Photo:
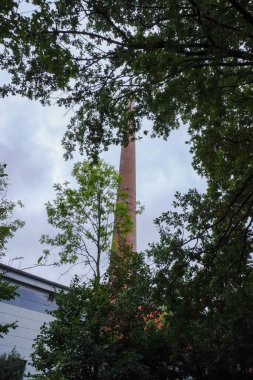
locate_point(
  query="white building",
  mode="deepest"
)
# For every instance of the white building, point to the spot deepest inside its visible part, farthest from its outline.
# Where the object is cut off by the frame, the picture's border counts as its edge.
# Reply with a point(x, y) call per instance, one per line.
point(29, 310)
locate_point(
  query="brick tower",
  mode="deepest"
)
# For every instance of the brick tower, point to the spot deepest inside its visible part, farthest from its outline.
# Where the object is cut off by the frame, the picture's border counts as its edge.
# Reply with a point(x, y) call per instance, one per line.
point(128, 186)
point(127, 172)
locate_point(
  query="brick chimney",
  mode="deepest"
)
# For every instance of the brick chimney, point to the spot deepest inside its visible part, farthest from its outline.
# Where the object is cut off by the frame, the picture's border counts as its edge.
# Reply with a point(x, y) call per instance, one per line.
point(127, 171)
point(128, 186)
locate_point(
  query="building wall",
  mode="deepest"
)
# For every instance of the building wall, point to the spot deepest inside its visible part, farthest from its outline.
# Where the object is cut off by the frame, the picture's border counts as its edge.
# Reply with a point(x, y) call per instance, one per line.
point(29, 310)
point(22, 338)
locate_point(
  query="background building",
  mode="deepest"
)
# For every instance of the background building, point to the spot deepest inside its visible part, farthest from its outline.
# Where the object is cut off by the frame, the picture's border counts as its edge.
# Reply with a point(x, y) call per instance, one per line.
point(29, 310)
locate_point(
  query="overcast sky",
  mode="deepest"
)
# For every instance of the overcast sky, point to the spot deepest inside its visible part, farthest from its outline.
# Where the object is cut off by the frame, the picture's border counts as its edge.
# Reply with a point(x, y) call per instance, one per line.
point(30, 145)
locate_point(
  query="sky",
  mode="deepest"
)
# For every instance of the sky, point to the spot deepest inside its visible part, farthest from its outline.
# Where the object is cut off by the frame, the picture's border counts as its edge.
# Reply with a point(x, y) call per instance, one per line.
point(30, 145)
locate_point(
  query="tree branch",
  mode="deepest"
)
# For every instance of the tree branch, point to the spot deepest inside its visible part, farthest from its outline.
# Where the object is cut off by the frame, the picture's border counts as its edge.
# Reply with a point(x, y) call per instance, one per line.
point(246, 14)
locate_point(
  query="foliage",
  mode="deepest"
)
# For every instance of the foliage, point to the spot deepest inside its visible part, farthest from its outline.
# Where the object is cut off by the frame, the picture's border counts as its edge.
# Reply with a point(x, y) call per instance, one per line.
point(204, 277)
point(85, 216)
point(7, 292)
point(188, 59)
point(185, 61)
point(8, 226)
point(100, 330)
point(11, 366)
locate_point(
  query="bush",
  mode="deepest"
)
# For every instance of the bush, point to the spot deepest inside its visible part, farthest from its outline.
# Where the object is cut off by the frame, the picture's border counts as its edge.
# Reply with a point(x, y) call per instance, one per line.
point(12, 366)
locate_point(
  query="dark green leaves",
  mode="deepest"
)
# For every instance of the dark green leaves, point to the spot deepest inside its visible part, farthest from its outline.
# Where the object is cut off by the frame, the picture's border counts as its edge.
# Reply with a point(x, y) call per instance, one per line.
point(105, 331)
point(190, 59)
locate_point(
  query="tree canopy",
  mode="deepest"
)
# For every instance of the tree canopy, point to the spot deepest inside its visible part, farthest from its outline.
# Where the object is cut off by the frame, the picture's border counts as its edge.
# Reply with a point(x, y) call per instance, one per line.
point(106, 331)
point(12, 366)
point(85, 216)
point(204, 277)
point(183, 63)
point(188, 60)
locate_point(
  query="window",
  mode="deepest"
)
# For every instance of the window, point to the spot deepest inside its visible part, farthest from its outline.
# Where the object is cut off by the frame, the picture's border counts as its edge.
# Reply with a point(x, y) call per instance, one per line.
point(33, 299)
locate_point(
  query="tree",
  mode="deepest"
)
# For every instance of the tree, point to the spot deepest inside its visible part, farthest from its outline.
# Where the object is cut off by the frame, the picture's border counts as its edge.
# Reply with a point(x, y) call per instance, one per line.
point(8, 226)
point(188, 62)
point(11, 366)
point(101, 333)
point(84, 217)
point(191, 60)
point(204, 277)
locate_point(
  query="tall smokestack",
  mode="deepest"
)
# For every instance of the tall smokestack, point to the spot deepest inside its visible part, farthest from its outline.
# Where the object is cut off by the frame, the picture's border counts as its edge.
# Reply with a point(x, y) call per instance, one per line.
point(127, 171)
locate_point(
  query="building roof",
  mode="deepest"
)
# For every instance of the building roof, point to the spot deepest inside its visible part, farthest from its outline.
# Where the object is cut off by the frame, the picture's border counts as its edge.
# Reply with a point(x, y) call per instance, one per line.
point(20, 276)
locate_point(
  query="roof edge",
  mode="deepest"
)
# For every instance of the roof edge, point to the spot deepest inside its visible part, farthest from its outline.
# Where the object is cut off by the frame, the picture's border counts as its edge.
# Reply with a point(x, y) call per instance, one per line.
point(8, 268)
